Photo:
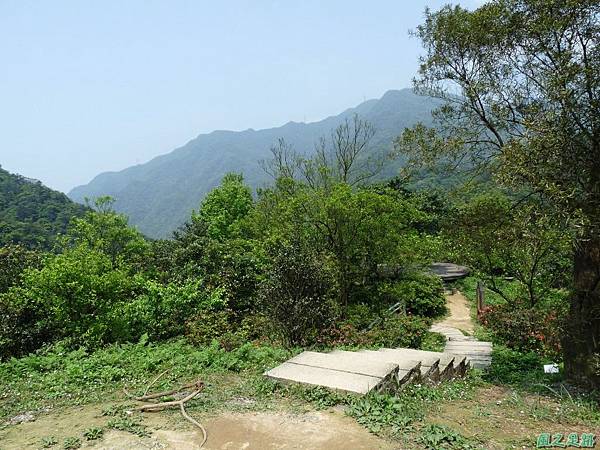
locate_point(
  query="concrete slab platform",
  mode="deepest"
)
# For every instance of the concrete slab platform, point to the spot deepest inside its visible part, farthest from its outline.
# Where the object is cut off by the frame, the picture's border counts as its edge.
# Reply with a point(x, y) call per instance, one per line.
point(317, 376)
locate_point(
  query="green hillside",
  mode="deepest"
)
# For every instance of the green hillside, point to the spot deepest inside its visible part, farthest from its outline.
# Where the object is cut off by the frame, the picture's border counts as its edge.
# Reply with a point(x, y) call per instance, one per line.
point(159, 195)
point(32, 214)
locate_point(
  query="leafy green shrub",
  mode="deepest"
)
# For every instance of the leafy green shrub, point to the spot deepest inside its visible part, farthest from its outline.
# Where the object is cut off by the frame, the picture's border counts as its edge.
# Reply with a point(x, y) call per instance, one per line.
point(295, 296)
point(438, 437)
point(208, 325)
point(421, 294)
point(524, 329)
point(162, 311)
point(514, 367)
point(393, 331)
point(399, 331)
point(14, 260)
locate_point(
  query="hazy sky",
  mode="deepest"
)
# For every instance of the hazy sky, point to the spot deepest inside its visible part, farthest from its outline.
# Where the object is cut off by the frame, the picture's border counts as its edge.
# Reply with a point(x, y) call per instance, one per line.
point(87, 87)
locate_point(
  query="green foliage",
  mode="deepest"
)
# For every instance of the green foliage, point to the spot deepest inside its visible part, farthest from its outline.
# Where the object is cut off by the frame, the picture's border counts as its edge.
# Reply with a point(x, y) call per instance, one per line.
point(525, 329)
point(105, 231)
point(500, 239)
point(392, 331)
point(49, 441)
point(31, 214)
point(58, 376)
point(355, 230)
point(398, 414)
point(224, 207)
point(94, 433)
point(531, 121)
point(130, 423)
point(295, 296)
point(208, 325)
point(421, 294)
point(71, 442)
point(14, 259)
point(437, 437)
point(399, 331)
point(514, 367)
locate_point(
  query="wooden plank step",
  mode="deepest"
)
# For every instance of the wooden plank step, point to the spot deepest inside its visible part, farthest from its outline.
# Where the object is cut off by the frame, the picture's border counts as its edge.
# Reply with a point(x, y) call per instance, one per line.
point(332, 379)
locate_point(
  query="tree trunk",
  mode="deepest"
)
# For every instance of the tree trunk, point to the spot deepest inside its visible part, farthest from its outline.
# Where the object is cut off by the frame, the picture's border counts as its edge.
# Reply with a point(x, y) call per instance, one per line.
point(581, 343)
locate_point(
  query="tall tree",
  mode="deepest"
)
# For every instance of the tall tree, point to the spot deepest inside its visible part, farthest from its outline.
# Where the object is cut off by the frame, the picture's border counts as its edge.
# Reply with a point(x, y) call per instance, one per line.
point(521, 84)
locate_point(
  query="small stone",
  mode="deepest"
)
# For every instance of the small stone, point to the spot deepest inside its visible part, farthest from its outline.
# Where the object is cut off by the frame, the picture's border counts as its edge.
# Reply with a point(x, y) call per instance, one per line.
point(22, 418)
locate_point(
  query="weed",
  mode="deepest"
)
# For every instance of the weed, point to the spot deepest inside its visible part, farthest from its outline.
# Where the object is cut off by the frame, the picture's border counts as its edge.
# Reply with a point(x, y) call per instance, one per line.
point(91, 434)
point(71, 442)
point(49, 441)
point(130, 423)
point(437, 437)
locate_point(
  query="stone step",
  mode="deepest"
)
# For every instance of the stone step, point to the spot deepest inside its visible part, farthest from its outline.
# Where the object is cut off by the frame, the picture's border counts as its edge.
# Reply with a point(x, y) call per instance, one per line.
point(329, 378)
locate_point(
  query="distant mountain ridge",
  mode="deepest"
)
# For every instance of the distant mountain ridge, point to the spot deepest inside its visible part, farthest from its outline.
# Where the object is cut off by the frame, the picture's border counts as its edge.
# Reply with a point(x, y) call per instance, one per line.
point(159, 195)
point(32, 214)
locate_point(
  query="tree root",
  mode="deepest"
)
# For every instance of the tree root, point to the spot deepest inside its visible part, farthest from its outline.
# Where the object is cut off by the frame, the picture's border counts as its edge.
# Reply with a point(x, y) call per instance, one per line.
point(153, 407)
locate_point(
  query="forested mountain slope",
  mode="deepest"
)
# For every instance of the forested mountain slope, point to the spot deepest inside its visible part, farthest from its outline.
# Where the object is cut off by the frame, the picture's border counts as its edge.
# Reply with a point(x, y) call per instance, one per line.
point(31, 213)
point(159, 195)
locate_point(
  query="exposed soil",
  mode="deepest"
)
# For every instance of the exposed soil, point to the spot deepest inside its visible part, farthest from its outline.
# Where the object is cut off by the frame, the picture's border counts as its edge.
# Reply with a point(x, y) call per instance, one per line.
point(495, 418)
point(227, 431)
point(459, 313)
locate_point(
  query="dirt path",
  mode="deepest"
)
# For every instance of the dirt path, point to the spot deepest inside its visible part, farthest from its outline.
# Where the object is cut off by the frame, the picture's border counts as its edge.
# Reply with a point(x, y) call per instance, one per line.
point(460, 313)
point(227, 431)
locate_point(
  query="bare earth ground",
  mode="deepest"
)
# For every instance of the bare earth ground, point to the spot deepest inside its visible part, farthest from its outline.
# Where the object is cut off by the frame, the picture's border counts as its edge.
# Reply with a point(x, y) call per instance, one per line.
point(459, 313)
point(227, 431)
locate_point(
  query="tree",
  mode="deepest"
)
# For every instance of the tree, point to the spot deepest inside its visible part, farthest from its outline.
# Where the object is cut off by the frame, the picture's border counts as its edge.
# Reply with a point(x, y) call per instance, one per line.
point(499, 240)
point(356, 230)
point(344, 158)
point(104, 230)
point(521, 85)
point(225, 206)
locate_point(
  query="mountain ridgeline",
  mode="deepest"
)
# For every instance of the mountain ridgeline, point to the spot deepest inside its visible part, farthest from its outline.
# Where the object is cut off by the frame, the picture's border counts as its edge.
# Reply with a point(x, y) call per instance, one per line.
point(32, 214)
point(158, 196)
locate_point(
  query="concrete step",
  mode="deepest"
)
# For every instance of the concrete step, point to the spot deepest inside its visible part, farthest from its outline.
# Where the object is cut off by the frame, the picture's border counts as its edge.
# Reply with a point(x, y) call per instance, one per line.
point(346, 362)
point(448, 365)
point(332, 379)
point(405, 370)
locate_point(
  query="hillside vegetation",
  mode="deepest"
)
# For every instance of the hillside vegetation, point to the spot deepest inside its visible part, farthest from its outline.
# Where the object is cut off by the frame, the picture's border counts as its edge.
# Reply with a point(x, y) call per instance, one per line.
point(32, 214)
point(159, 196)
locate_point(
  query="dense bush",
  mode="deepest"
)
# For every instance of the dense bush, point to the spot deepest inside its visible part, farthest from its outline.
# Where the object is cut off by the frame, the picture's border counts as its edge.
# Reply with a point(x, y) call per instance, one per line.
point(393, 331)
point(81, 298)
point(72, 296)
point(525, 329)
point(421, 295)
point(14, 259)
point(295, 296)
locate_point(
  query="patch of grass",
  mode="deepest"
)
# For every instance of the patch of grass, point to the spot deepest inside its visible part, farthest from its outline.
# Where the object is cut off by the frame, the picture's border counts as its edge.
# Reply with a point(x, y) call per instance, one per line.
point(397, 414)
point(437, 437)
point(48, 441)
point(433, 342)
point(93, 433)
point(71, 443)
point(516, 368)
point(58, 377)
point(130, 423)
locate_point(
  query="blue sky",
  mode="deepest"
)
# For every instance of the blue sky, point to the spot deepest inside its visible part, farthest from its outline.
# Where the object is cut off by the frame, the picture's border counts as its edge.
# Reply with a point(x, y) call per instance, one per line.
point(87, 87)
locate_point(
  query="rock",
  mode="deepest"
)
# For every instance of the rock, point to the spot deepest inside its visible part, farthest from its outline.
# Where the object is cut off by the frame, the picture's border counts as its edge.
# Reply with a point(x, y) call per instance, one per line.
point(22, 418)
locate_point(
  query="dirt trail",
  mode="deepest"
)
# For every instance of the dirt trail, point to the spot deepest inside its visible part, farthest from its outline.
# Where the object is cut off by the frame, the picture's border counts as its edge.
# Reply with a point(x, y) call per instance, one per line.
point(226, 431)
point(460, 313)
